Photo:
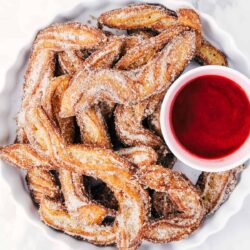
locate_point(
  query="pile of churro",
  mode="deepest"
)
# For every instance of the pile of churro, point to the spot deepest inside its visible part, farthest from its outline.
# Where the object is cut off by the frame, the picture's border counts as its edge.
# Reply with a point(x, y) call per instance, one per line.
point(89, 133)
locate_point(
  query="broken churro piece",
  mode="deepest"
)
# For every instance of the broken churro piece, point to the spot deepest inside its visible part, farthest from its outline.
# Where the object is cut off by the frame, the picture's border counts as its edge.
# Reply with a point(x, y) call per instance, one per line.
point(209, 55)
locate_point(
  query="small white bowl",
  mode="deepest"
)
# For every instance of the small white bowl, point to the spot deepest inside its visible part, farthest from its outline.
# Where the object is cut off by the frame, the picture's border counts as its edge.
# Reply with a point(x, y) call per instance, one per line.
point(209, 165)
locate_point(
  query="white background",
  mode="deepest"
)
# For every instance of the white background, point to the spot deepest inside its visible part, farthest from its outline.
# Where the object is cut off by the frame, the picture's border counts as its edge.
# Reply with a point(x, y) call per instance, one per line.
point(16, 29)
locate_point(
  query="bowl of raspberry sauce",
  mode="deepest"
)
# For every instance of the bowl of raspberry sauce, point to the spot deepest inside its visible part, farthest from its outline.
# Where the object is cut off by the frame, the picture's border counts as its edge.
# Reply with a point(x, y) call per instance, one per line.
point(205, 118)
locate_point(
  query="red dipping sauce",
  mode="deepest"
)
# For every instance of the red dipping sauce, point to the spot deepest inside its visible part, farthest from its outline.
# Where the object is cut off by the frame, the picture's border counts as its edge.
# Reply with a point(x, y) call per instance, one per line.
point(210, 116)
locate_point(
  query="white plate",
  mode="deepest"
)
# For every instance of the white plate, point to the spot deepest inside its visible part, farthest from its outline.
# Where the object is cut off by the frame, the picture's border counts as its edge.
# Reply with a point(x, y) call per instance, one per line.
point(10, 102)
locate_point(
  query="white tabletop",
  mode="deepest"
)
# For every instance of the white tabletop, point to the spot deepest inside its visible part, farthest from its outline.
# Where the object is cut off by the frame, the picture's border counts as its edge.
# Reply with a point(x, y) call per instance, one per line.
point(16, 232)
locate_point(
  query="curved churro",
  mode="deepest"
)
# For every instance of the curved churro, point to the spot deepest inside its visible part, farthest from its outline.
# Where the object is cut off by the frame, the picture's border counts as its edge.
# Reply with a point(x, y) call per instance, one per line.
point(58, 37)
point(120, 87)
point(51, 102)
point(77, 203)
point(132, 199)
point(183, 194)
point(130, 130)
point(138, 156)
point(39, 180)
point(151, 16)
point(88, 88)
point(54, 214)
point(24, 156)
point(128, 121)
point(137, 16)
point(216, 188)
point(207, 54)
point(142, 52)
point(157, 75)
point(98, 137)
point(103, 57)
point(92, 124)
point(106, 55)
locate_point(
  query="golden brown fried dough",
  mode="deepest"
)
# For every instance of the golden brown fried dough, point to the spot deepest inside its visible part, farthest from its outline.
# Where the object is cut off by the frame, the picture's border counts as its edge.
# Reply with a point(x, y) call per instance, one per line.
point(149, 16)
point(134, 38)
point(54, 214)
point(139, 155)
point(93, 128)
point(183, 194)
point(128, 121)
point(52, 104)
point(23, 156)
point(132, 198)
point(141, 53)
point(157, 75)
point(216, 188)
point(102, 58)
point(130, 130)
point(207, 54)
point(138, 16)
point(91, 122)
point(77, 203)
point(42, 183)
point(70, 61)
point(190, 18)
point(55, 38)
point(106, 55)
point(121, 88)
point(85, 90)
